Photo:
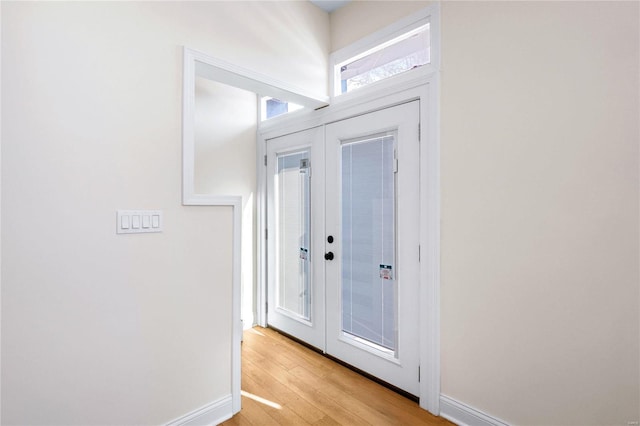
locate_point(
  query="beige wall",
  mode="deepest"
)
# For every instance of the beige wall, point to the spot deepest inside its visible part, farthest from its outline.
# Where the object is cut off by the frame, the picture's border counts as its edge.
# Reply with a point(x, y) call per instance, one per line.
point(349, 26)
point(540, 210)
point(225, 125)
point(540, 285)
point(99, 328)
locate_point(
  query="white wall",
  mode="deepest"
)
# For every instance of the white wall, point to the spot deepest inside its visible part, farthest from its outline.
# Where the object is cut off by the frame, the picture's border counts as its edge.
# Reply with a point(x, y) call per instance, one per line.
point(540, 210)
point(225, 156)
point(540, 196)
point(99, 328)
point(0, 209)
point(348, 25)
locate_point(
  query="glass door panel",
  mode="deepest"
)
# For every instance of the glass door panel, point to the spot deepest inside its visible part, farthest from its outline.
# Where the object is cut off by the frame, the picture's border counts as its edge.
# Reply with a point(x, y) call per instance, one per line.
point(368, 240)
point(293, 234)
point(295, 228)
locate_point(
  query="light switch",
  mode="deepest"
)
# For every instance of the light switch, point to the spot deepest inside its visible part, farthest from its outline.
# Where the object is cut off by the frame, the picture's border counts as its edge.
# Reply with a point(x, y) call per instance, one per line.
point(138, 221)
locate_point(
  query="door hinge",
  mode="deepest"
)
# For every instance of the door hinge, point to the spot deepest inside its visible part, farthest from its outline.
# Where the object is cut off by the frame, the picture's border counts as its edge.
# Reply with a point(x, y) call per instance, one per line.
point(418, 374)
point(266, 234)
point(265, 160)
point(419, 252)
point(419, 132)
point(395, 161)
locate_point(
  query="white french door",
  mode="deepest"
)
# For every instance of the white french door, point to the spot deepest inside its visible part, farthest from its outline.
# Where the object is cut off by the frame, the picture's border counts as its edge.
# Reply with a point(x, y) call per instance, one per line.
point(372, 211)
point(295, 223)
point(343, 247)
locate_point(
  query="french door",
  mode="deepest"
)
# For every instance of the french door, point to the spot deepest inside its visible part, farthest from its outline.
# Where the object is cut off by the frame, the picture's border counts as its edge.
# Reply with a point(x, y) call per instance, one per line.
point(360, 276)
point(295, 223)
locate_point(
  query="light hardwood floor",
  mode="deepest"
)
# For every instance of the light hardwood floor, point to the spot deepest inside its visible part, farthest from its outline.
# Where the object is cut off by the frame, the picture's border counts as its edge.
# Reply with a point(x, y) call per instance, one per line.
point(285, 383)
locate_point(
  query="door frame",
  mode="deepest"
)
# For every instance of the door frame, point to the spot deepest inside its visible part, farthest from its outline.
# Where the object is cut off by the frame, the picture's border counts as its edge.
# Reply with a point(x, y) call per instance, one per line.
point(426, 91)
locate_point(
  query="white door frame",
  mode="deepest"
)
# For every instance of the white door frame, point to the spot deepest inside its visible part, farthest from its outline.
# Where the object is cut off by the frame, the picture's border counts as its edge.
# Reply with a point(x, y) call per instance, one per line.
point(426, 91)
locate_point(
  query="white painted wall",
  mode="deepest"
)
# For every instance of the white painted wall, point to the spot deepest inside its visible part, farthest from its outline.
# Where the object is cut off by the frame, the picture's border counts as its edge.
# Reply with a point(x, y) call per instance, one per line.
point(348, 25)
point(225, 126)
point(540, 210)
point(0, 210)
point(99, 328)
point(540, 196)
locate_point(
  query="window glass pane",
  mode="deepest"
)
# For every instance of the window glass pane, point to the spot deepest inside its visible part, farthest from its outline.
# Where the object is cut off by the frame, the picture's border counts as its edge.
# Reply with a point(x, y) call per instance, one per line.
point(293, 221)
point(368, 241)
point(272, 107)
point(276, 107)
point(407, 52)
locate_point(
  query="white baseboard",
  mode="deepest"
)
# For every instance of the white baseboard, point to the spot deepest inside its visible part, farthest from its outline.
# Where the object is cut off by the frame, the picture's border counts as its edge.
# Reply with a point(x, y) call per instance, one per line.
point(211, 414)
point(463, 415)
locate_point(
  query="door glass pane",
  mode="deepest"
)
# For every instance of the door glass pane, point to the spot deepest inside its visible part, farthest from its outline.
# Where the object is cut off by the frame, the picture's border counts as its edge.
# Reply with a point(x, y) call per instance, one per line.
point(293, 222)
point(368, 241)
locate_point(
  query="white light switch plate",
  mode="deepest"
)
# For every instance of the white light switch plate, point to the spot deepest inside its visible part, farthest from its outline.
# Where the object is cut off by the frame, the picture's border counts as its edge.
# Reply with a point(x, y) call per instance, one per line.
point(138, 221)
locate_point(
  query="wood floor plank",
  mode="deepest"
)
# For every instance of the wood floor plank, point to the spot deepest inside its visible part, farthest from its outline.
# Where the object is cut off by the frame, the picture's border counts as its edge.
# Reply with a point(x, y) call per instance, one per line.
point(285, 383)
point(255, 414)
point(327, 421)
point(280, 391)
point(309, 389)
point(282, 414)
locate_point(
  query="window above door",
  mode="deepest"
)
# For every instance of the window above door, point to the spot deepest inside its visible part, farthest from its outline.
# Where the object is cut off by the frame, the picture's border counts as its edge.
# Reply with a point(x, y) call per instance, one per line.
point(403, 51)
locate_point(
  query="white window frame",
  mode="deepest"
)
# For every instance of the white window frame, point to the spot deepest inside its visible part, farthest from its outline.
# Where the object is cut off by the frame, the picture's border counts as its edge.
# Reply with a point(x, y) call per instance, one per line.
point(429, 15)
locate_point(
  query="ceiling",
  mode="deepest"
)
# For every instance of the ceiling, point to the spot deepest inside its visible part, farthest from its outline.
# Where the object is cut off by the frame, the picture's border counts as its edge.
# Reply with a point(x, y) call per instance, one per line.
point(329, 5)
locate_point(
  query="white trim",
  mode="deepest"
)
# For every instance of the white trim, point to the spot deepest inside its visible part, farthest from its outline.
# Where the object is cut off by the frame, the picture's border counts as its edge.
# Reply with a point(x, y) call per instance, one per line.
point(374, 100)
point(196, 63)
point(430, 207)
point(236, 306)
point(213, 413)
point(236, 323)
point(464, 415)
point(386, 94)
point(430, 250)
point(234, 75)
point(1, 208)
point(261, 226)
point(215, 200)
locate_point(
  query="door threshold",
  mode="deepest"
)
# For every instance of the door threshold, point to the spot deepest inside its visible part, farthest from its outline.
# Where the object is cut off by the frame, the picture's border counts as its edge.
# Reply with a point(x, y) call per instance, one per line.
point(371, 377)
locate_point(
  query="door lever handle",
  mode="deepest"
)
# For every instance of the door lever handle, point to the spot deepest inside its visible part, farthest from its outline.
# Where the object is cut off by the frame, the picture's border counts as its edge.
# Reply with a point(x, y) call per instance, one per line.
point(328, 256)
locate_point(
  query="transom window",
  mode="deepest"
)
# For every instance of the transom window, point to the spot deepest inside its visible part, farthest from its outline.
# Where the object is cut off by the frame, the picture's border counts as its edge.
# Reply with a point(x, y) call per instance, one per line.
point(394, 50)
point(272, 107)
point(409, 51)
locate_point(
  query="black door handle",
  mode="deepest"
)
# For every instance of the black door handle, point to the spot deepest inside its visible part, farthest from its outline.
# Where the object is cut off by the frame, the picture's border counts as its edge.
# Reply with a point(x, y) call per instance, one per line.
point(328, 256)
